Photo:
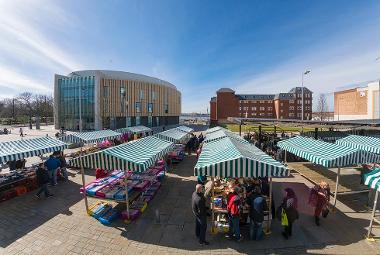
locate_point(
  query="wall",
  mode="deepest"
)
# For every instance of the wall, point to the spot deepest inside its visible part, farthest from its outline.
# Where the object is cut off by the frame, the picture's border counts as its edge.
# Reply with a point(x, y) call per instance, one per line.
point(352, 103)
point(227, 105)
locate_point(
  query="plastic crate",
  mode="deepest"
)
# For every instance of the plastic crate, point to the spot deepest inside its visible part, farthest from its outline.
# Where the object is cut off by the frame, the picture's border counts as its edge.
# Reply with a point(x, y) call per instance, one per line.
point(109, 216)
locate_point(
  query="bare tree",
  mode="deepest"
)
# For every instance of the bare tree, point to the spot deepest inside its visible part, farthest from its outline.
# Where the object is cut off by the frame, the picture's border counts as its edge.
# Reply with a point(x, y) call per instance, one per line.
point(322, 107)
point(27, 101)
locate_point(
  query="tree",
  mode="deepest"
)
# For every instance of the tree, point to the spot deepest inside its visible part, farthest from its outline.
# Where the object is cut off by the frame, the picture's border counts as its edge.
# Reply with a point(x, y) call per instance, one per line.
point(322, 107)
point(27, 102)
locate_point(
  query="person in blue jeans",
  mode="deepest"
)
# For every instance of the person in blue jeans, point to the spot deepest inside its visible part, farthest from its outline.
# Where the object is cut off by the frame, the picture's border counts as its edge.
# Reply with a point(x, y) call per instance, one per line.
point(52, 165)
point(233, 208)
point(257, 206)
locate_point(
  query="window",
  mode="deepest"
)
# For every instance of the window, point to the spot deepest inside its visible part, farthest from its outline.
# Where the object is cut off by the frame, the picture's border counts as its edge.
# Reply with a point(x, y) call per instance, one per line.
point(138, 107)
point(291, 101)
point(157, 121)
point(150, 121)
point(298, 114)
point(270, 101)
point(129, 121)
point(282, 104)
point(291, 108)
point(307, 108)
point(122, 92)
point(150, 107)
point(262, 108)
point(138, 120)
point(141, 94)
point(253, 114)
point(239, 108)
point(299, 107)
point(105, 91)
point(166, 107)
point(282, 111)
point(254, 108)
point(245, 108)
point(299, 101)
point(262, 102)
point(262, 114)
point(291, 114)
point(270, 108)
point(153, 95)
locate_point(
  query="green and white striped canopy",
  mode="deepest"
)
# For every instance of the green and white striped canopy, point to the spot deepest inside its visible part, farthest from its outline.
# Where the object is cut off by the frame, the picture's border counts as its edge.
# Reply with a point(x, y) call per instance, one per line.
point(186, 129)
point(211, 130)
point(174, 135)
point(15, 150)
point(227, 157)
point(322, 153)
point(134, 130)
point(372, 179)
point(136, 155)
point(327, 136)
point(91, 137)
point(222, 133)
point(365, 143)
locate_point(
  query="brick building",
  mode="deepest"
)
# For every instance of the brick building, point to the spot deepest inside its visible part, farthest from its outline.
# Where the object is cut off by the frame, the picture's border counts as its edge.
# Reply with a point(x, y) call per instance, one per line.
point(361, 102)
point(266, 106)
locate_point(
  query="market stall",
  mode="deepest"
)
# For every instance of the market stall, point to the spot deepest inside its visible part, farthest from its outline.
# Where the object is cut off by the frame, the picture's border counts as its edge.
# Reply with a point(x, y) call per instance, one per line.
point(134, 156)
point(372, 179)
point(211, 130)
point(222, 133)
point(327, 136)
point(136, 131)
point(366, 143)
point(91, 137)
point(326, 154)
point(186, 129)
point(229, 158)
point(179, 138)
point(21, 179)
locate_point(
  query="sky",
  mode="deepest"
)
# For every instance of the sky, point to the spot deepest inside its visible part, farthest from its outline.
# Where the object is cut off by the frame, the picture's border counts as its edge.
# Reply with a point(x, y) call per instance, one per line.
point(199, 46)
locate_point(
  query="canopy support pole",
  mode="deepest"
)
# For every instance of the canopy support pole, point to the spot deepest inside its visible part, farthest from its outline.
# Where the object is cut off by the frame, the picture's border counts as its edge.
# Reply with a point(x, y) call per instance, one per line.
point(285, 160)
point(369, 235)
point(126, 193)
point(212, 207)
point(270, 206)
point(83, 179)
point(336, 187)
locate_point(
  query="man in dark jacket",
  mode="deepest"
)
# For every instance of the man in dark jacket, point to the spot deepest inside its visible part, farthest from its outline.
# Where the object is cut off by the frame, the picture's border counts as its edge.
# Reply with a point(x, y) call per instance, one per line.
point(42, 179)
point(198, 204)
point(257, 206)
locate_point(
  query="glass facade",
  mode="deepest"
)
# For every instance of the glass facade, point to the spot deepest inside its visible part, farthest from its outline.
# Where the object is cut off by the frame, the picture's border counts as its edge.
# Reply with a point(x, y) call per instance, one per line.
point(72, 92)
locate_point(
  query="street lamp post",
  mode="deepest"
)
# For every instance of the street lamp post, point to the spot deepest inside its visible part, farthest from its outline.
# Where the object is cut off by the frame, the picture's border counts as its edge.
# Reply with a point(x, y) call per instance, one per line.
point(303, 74)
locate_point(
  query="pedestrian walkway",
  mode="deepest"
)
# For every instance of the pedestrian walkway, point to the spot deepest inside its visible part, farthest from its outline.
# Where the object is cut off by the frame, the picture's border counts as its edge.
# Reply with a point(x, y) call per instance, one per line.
point(59, 225)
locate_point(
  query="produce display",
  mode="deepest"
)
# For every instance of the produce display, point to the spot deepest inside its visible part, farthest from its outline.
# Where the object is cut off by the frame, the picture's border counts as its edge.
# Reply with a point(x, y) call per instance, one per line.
point(142, 187)
point(178, 154)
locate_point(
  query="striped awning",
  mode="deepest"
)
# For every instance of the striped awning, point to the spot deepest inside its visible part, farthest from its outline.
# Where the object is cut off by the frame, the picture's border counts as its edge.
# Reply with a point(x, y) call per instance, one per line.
point(365, 143)
point(327, 136)
point(134, 130)
point(186, 129)
point(174, 135)
point(136, 155)
point(211, 130)
point(91, 137)
point(15, 150)
point(322, 153)
point(222, 133)
point(227, 157)
point(372, 179)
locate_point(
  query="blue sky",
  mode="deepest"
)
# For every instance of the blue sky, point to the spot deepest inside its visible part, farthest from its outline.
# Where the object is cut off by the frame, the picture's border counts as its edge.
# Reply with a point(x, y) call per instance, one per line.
point(200, 46)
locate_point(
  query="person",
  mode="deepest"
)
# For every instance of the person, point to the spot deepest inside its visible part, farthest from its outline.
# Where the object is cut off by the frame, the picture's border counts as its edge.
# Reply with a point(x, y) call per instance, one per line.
point(201, 179)
point(257, 206)
point(320, 198)
point(52, 165)
point(190, 144)
point(198, 204)
point(42, 180)
point(233, 209)
point(288, 212)
point(63, 165)
point(21, 132)
point(201, 138)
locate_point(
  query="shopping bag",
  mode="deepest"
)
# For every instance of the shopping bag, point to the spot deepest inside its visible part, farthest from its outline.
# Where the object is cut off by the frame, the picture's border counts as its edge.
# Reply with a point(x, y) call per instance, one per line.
point(284, 218)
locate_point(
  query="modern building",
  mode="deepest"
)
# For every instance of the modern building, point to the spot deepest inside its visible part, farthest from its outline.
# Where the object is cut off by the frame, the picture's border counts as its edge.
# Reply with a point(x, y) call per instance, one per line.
point(358, 103)
point(113, 99)
point(266, 106)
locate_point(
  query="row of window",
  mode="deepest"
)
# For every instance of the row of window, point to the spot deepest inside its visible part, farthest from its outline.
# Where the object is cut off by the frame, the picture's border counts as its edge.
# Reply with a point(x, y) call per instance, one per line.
point(255, 108)
point(255, 101)
point(307, 95)
point(123, 93)
point(150, 107)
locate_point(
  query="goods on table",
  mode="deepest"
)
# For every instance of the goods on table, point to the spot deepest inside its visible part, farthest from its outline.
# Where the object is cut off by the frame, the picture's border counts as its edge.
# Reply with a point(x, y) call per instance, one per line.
point(17, 183)
point(142, 187)
point(178, 154)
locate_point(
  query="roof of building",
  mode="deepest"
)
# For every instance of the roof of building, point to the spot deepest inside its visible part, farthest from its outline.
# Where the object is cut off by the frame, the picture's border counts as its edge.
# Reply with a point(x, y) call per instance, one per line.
point(285, 96)
point(255, 97)
point(121, 75)
point(299, 89)
point(213, 99)
point(224, 90)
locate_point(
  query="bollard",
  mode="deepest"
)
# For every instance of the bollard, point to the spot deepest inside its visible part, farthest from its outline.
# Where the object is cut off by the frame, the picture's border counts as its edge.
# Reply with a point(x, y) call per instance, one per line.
point(157, 216)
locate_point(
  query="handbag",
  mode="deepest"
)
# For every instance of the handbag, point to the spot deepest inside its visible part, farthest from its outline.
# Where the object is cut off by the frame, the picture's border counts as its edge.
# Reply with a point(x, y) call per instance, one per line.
point(325, 212)
point(284, 218)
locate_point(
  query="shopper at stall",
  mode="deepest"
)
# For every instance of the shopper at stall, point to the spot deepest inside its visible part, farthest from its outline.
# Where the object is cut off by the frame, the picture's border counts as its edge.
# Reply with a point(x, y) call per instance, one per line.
point(52, 165)
point(43, 180)
point(198, 204)
point(233, 208)
point(63, 166)
point(287, 212)
point(319, 198)
point(257, 206)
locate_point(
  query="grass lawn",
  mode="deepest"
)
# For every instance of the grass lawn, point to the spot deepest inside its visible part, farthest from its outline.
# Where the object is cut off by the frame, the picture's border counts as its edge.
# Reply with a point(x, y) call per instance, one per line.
point(268, 128)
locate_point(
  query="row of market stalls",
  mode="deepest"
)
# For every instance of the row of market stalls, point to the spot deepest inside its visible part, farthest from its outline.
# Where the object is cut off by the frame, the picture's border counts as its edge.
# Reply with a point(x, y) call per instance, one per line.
point(349, 151)
point(226, 155)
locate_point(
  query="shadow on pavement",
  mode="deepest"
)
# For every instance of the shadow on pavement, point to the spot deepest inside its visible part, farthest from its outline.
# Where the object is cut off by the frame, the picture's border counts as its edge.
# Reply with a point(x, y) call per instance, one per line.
point(23, 214)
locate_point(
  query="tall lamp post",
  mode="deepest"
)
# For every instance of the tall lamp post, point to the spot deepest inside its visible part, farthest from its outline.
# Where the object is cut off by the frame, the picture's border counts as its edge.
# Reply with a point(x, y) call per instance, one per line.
point(303, 74)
